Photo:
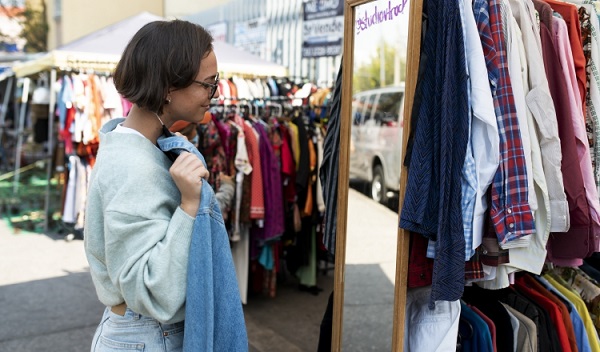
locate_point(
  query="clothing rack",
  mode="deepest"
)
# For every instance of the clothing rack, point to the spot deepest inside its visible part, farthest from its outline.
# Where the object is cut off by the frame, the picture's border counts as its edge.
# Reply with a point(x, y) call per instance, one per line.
point(62, 65)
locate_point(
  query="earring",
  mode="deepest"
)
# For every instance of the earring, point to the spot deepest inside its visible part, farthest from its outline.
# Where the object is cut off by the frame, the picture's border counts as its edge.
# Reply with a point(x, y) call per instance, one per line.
point(168, 100)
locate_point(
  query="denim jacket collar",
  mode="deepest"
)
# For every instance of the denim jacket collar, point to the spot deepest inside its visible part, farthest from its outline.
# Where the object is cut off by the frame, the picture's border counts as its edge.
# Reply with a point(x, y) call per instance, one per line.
point(177, 144)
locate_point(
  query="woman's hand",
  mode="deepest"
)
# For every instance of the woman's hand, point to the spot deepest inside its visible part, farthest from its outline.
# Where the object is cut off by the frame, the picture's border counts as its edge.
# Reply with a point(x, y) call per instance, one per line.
point(187, 172)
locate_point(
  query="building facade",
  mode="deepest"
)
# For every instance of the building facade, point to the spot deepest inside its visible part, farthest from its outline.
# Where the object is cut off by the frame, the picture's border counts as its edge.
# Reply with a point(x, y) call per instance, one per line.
point(69, 20)
point(273, 30)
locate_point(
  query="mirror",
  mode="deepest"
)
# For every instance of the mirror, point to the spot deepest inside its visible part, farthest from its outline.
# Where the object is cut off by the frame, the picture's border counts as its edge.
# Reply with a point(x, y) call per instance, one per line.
point(375, 66)
point(375, 149)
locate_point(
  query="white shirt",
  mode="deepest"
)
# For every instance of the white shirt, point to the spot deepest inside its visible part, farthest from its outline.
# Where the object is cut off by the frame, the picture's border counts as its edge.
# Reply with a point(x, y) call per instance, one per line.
point(514, 70)
point(485, 139)
point(430, 329)
point(541, 105)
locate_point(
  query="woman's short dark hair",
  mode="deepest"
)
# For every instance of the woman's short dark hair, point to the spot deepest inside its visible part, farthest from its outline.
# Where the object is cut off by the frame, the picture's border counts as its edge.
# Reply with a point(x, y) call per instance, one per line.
point(161, 55)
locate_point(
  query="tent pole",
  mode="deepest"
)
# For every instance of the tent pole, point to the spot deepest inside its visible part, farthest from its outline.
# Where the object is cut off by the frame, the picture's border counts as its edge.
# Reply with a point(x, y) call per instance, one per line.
point(47, 213)
point(5, 106)
point(24, 99)
point(3, 112)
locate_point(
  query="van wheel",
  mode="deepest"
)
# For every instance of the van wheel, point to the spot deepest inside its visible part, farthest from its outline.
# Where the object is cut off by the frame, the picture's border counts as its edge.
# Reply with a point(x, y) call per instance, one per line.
point(378, 189)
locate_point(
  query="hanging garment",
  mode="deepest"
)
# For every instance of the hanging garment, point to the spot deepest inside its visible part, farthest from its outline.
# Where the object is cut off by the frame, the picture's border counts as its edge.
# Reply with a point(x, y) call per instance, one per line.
point(532, 256)
point(302, 164)
point(515, 325)
point(510, 213)
point(494, 310)
point(484, 131)
point(474, 333)
point(581, 309)
point(550, 307)
point(586, 287)
point(514, 299)
point(212, 148)
point(590, 27)
point(531, 282)
point(432, 200)
point(74, 206)
point(274, 219)
point(240, 251)
point(583, 149)
point(469, 171)
point(513, 49)
point(257, 202)
point(570, 15)
point(541, 105)
point(329, 169)
point(581, 336)
point(526, 339)
point(430, 329)
point(569, 244)
point(490, 324)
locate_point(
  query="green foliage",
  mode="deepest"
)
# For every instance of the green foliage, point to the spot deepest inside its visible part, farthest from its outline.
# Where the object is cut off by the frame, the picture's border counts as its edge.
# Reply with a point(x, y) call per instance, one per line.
point(35, 29)
point(368, 75)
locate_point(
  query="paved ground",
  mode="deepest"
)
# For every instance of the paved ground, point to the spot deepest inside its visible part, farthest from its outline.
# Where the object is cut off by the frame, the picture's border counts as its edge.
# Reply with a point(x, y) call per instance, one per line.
point(48, 303)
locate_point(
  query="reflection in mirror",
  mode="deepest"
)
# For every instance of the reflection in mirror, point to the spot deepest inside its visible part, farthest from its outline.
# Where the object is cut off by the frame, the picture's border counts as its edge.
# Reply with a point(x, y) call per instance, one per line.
point(379, 67)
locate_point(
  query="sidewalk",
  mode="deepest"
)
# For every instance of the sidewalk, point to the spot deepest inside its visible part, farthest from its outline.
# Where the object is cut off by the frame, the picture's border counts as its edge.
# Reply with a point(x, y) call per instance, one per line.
point(48, 301)
point(46, 293)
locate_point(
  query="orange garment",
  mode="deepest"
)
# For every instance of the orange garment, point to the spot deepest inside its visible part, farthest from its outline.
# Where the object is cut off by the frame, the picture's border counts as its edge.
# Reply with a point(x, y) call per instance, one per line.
point(257, 197)
point(571, 16)
point(233, 90)
point(95, 106)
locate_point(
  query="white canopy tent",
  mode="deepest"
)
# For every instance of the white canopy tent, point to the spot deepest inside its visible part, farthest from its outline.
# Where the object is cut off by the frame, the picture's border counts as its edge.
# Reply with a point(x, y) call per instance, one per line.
point(101, 51)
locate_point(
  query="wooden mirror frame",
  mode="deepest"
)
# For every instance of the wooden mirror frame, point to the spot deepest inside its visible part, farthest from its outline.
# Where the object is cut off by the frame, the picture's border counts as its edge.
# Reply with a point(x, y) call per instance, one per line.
point(402, 253)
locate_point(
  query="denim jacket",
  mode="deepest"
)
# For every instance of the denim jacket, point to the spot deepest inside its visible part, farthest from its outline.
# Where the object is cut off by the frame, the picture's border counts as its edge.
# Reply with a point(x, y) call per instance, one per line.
point(214, 319)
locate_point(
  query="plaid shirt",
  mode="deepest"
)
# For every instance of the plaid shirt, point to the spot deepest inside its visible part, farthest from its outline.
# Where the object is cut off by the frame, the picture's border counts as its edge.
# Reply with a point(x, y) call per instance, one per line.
point(510, 211)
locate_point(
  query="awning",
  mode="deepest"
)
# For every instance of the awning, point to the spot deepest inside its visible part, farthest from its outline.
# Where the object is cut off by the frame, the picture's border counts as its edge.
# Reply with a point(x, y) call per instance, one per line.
point(101, 51)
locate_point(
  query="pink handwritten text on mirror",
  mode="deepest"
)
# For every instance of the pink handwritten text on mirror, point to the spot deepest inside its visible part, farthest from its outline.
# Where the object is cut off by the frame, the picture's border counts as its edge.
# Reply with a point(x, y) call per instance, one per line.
point(379, 16)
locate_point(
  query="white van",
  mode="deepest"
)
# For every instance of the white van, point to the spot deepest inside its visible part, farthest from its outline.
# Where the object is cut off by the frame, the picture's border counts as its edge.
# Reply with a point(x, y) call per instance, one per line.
point(376, 140)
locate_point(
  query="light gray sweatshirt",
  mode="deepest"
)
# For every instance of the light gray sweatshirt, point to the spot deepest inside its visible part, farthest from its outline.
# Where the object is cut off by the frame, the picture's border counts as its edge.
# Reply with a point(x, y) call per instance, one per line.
point(136, 236)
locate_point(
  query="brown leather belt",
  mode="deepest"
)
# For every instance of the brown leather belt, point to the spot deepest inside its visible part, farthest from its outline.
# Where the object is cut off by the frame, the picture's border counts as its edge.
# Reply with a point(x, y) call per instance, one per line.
point(119, 309)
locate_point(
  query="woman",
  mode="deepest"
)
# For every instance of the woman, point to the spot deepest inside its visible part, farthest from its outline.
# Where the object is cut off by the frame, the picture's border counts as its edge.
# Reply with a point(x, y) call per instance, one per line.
point(141, 205)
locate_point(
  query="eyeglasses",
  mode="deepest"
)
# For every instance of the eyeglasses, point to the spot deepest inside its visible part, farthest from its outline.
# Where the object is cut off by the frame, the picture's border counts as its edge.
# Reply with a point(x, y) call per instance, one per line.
point(213, 86)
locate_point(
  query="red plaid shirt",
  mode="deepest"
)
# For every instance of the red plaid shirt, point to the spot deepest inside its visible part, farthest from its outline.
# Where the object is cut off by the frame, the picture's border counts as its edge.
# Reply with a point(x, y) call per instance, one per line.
point(510, 211)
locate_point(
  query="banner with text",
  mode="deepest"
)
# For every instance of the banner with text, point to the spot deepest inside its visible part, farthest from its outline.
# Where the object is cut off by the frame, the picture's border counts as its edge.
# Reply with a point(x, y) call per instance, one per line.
point(323, 28)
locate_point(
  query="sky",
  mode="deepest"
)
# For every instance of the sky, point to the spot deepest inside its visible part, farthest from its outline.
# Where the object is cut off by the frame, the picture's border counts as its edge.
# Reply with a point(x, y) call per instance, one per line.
point(395, 31)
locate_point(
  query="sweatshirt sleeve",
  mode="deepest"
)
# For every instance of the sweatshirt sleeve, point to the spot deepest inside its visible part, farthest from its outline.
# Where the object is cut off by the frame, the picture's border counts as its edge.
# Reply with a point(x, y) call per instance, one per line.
point(147, 260)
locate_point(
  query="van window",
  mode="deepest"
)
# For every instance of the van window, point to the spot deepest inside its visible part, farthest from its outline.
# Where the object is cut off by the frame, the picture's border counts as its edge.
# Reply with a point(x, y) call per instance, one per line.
point(388, 107)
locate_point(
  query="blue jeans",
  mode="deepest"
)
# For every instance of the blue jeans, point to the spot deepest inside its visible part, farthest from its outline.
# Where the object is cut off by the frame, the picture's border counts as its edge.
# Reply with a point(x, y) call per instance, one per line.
point(135, 332)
